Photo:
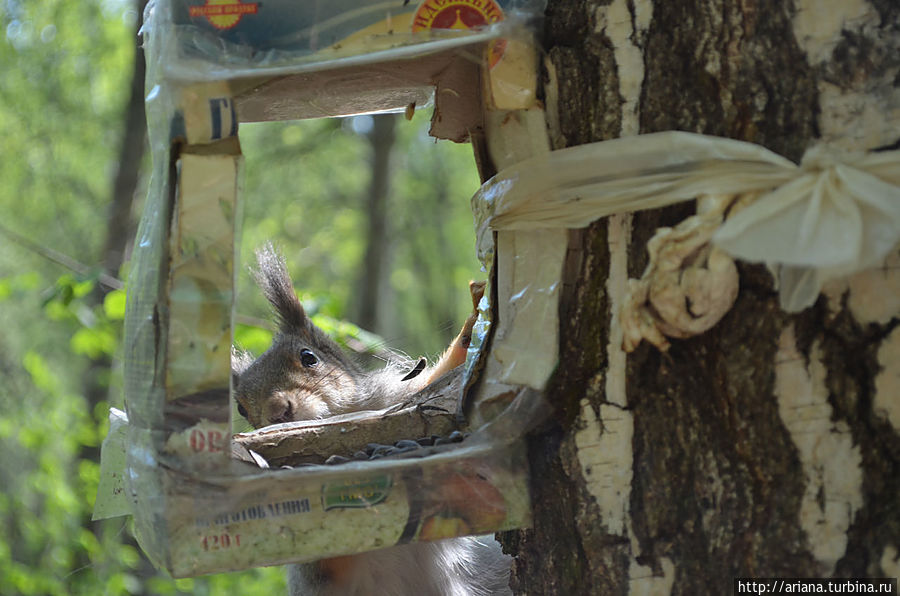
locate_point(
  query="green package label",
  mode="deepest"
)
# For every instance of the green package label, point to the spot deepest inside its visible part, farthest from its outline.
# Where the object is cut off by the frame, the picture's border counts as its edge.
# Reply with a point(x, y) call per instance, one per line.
point(356, 493)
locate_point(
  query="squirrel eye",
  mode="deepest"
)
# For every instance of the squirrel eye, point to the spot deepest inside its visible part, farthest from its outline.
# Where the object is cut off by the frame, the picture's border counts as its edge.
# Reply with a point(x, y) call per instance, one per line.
point(308, 359)
point(242, 411)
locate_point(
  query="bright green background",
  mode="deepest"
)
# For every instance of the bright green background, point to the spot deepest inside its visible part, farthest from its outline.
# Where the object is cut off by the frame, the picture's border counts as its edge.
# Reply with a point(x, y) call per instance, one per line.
point(64, 73)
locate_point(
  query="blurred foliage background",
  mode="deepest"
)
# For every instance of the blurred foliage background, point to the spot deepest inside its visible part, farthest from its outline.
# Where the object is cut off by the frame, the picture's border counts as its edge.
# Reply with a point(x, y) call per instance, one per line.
point(73, 173)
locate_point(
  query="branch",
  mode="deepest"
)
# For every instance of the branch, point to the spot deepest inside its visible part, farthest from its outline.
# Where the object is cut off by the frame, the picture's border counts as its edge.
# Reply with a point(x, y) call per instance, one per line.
point(61, 259)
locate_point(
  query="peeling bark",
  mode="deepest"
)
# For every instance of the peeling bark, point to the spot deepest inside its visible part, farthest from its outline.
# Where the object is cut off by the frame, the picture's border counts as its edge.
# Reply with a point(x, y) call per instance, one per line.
point(767, 446)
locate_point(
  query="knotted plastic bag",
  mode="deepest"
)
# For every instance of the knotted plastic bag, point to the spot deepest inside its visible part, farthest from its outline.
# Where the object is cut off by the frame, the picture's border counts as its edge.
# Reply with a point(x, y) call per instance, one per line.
point(832, 215)
point(839, 215)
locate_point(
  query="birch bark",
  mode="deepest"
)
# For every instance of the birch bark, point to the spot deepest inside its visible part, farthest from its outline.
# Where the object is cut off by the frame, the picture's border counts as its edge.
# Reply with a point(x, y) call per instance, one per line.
point(769, 445)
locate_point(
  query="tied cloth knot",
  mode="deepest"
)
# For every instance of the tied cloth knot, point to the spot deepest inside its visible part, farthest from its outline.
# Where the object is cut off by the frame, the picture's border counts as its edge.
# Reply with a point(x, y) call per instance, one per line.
point(835, 214)
point(839, 214)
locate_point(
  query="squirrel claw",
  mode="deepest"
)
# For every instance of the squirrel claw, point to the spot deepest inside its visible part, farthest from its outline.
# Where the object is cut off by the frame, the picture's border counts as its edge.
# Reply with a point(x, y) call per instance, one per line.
point(419, 367)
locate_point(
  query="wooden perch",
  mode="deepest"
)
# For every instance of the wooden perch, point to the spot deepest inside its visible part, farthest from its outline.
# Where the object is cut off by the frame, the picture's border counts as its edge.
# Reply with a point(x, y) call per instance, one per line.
point(431, 411)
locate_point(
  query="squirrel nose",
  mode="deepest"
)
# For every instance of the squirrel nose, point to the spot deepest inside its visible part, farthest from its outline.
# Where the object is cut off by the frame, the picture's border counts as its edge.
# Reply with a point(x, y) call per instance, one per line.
point(280, 412)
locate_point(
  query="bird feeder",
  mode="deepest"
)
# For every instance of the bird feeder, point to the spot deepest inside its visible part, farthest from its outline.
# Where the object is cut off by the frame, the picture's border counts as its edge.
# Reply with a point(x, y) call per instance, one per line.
point(211, 66)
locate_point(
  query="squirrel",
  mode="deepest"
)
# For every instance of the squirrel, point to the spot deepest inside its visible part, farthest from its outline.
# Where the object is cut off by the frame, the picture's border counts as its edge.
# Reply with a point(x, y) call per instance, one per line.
point(305, 375)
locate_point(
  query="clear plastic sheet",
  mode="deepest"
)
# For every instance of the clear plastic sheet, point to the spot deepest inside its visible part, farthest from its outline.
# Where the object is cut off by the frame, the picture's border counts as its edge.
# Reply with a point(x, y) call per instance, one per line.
point(112, 480)
point(829, 216)
point(283, 37)
point(199, 506)
point(209, 521)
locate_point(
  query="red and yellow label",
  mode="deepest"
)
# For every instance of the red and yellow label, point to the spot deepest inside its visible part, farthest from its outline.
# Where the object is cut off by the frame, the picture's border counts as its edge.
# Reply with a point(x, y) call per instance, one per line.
point(456, 14)
point(224, 14)
point(460, 14)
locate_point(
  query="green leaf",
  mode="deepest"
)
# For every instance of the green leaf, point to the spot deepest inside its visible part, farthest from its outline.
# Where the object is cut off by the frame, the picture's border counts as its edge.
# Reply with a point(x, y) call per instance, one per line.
point(41, 374)
point(82, 288)
point(94, 342)
point(114, 305)
point(253, 339)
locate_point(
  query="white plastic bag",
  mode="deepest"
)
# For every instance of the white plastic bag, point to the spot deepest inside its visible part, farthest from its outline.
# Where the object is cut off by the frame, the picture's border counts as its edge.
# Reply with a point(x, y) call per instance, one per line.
point(833, 219)
point(830, 216)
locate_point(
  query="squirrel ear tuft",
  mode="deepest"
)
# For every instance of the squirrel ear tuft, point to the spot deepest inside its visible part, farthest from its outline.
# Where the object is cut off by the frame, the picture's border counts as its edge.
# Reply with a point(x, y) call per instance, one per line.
point(275, 283)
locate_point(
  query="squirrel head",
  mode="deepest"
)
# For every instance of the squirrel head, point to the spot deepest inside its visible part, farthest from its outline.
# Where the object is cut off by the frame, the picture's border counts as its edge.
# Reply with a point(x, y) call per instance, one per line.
point(304, 375)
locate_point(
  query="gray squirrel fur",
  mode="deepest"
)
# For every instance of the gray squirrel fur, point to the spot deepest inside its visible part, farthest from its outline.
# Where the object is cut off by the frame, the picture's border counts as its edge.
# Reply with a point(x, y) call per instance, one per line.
point(306, 375)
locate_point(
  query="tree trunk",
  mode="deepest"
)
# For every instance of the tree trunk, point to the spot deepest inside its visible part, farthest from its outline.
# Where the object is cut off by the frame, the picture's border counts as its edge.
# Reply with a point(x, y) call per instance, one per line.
point(120, 230)
point(373, 286)
point(120, 225)
point(769, 445)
